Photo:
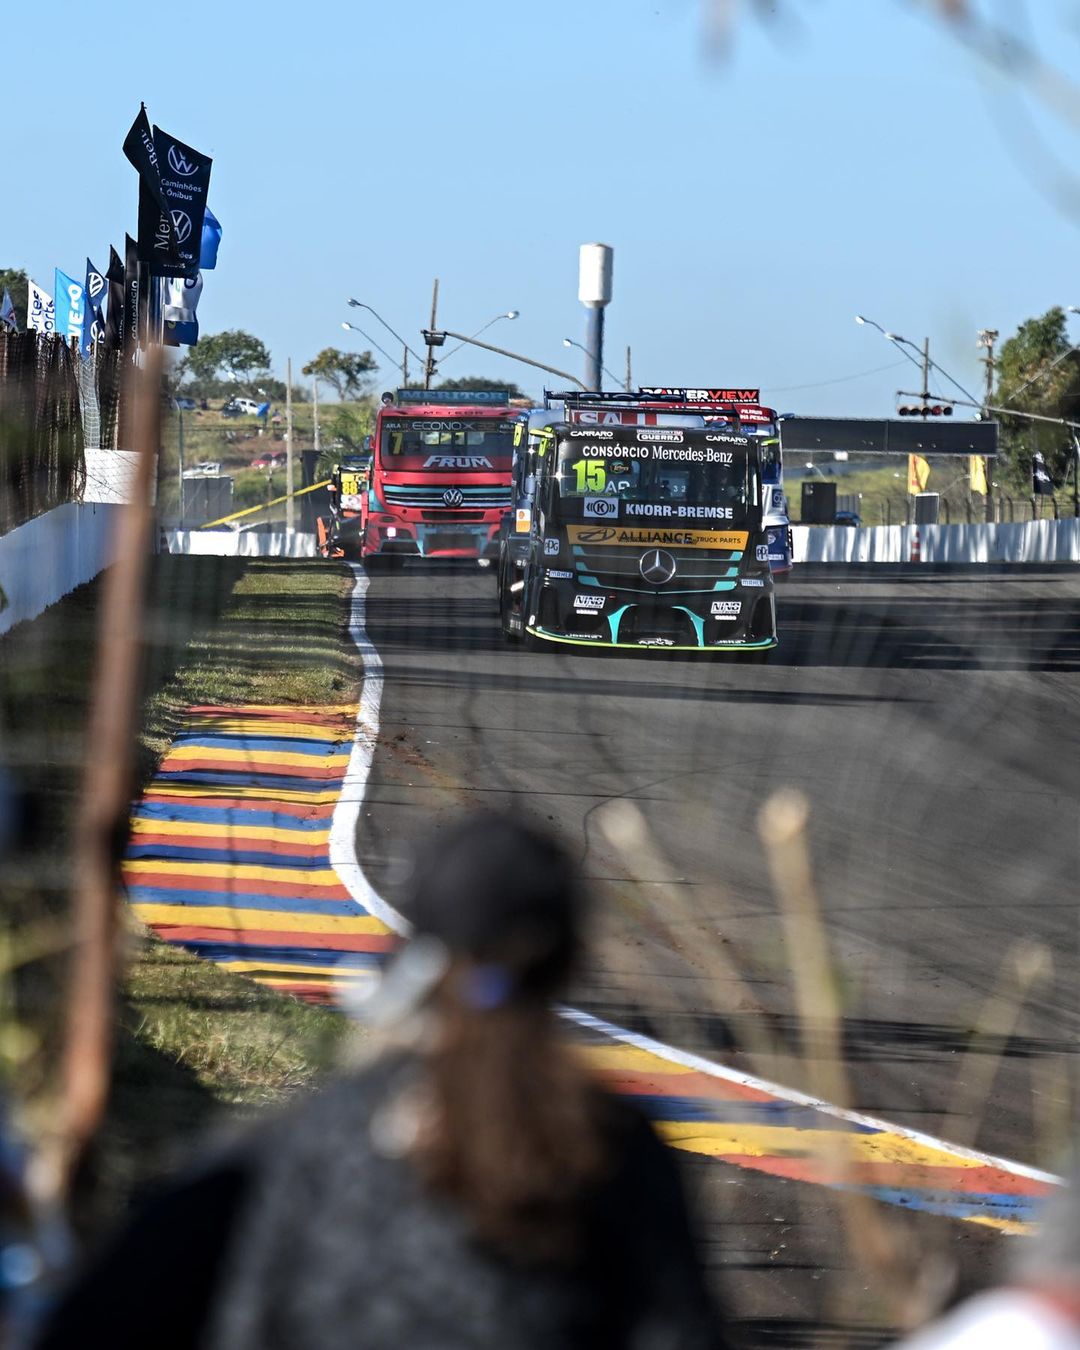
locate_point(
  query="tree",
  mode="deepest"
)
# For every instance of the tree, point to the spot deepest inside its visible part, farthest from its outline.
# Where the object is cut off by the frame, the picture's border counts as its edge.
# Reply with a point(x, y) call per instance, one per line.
point(1038, 372)
point(479, 382)
point(344, 372)
point(241, 357)
point(15, 281)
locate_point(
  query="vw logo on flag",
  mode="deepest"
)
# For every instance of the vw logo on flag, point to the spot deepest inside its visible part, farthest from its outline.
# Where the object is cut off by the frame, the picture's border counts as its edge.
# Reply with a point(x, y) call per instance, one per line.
point(180, 164)
point(453, 497)
point(657, 566)
point(181, 225)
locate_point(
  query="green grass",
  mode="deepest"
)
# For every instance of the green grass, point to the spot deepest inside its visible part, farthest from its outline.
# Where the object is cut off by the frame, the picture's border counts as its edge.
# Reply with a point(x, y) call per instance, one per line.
point(193, 1041)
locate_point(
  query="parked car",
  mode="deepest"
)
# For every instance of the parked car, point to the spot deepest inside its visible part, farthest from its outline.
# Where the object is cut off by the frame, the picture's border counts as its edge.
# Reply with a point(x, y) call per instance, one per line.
point(186, 404)
point(851, 518)
point(268, 460)
point(241, 407)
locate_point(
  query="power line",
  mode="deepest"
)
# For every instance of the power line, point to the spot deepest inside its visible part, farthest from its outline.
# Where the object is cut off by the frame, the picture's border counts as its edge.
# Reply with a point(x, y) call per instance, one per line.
point(840, 379)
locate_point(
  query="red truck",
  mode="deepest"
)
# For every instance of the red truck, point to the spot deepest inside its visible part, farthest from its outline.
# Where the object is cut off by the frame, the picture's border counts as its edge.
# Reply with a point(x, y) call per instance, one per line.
point(440, 475)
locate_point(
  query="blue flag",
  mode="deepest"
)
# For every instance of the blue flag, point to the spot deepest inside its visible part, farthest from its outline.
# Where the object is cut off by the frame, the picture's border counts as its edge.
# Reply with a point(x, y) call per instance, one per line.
point(94, 290)
point(211, 238)
point(181, 299)
point(69, 307)
point(7, 314)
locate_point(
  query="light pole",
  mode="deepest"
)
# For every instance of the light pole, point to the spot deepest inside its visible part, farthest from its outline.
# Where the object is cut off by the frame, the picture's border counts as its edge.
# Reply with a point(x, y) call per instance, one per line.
point(509, 314)
point(359, 304)
point(436, 339)
point(352, 328)
point(924, 362)
point(569, 342)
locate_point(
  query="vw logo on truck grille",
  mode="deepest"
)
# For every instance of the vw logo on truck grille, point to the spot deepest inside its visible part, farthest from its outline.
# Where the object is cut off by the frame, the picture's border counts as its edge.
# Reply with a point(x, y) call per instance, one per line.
point(657, 566)
point(453, 497)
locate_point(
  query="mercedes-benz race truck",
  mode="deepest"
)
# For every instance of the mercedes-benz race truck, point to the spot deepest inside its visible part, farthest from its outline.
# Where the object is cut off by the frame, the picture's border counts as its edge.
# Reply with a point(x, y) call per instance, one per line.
point(440, 476)
point(532, 434)
point(647, 537)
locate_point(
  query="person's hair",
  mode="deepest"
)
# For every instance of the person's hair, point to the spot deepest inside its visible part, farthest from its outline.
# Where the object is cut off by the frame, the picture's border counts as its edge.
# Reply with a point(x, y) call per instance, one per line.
point(516, 1130)
point(515, 1127)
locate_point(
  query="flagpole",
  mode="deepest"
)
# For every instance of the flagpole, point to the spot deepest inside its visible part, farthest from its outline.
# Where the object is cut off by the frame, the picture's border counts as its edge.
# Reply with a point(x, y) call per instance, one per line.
point(290, 504)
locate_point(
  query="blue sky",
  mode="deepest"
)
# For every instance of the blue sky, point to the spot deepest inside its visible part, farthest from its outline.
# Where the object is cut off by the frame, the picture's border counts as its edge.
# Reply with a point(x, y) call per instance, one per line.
point(755, 203)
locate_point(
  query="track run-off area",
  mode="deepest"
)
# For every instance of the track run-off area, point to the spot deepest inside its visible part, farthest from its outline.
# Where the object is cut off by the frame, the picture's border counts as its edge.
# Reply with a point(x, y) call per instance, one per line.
point(929, 718)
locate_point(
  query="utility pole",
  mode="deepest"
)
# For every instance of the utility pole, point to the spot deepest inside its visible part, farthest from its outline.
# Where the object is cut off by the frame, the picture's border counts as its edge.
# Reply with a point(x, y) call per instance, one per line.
point(629, 377)
point(290, 504)
point(429, 364)
point(404, 366)
point(594, 292)
point(315, 415)
point(987, 338)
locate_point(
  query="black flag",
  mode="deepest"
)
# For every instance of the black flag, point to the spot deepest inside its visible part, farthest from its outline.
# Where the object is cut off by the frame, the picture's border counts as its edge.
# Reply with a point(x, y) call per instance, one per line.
point(155, 223)
point(132, 299)
point(114, 321)
point(1040, 479)
point(184, 181)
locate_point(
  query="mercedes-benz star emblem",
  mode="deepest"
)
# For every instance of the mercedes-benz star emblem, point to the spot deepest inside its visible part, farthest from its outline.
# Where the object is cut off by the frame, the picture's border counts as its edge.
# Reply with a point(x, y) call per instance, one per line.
point(657, 566)
point(453, 497)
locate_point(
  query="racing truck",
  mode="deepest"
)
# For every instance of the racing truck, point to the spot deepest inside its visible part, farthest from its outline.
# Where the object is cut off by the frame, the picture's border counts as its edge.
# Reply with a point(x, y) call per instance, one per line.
point(340, 533)
point(642, 536)
point(440, 475)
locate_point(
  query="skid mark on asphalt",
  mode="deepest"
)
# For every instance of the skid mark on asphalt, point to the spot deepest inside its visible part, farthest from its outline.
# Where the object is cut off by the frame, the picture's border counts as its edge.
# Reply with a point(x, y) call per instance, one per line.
point(244, 850)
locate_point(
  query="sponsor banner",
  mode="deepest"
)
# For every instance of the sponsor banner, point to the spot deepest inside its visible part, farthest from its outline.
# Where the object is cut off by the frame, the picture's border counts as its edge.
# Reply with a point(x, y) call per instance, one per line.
point(645, 536)
point(559, 576)
point(601, 508)
point(185, 181)
point(587, 602)
point(155, 227)
point(761, 552)
point(551, 547)
point(704, 395)
point(70, 307)
point(725, 609)
point(211, 241)
point(7, 313)
point(40, 310)
point(94, 288)
point(683, 454)
point(752, 581)
point(452, 397)
point(671, 511)
point(918, 474)
point(132, 297)
point(114, 319)
point(632, 417)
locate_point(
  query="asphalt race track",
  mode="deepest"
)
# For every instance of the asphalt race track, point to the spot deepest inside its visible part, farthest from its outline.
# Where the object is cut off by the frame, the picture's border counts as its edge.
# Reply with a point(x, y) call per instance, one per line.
point(929, 716)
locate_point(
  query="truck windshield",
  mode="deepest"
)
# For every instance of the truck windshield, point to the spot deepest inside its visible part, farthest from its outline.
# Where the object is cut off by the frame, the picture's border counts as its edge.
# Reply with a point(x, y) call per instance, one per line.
point(674, 486)
point(446, 443)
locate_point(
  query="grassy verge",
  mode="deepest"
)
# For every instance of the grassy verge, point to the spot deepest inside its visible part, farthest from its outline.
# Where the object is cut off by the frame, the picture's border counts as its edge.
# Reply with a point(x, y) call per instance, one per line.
point(193, 1041)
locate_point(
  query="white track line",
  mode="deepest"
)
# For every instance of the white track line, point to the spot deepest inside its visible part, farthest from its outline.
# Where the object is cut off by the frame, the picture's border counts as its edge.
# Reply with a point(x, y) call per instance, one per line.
point(346, 862)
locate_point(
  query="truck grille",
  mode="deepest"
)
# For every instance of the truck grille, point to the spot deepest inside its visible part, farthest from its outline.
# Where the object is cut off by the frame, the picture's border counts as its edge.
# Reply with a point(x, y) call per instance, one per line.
point(486, 498)
point(618, 569)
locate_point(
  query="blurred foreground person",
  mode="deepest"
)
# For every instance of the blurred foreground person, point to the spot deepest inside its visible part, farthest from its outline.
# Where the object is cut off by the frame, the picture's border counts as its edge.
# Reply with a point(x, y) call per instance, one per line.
point(1039, 1309)
point(472, 1186)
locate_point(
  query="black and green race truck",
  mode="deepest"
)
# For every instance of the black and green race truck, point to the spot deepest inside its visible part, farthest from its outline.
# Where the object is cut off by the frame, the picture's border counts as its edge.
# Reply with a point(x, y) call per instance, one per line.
point(642, 537)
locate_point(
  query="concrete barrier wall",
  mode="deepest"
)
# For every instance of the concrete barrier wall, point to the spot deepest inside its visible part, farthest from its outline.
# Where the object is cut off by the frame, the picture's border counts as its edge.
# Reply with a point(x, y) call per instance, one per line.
point(45, 559)
point(249, 544)
point(1029, 541)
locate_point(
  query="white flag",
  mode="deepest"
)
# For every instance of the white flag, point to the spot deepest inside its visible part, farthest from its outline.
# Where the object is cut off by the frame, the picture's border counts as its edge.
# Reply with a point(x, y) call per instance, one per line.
point(182, 298)
point(40, 310)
